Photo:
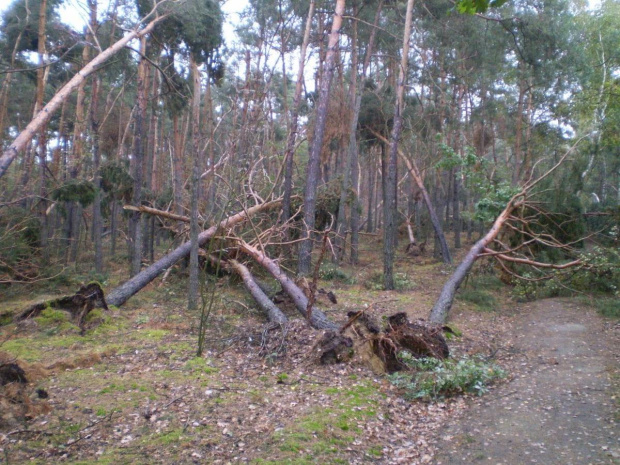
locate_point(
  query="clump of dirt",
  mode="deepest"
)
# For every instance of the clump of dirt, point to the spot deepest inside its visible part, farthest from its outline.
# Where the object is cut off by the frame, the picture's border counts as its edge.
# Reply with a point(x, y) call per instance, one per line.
point(19, 400)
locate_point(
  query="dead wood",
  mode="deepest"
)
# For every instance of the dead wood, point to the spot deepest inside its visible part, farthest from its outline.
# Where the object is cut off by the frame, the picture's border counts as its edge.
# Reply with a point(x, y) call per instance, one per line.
point(78, 305)
point(125, 291)
point(274, 314)
point(12, 373)
point(336, 348)
point(156, 212)
point(380, 348)
point(317, 318)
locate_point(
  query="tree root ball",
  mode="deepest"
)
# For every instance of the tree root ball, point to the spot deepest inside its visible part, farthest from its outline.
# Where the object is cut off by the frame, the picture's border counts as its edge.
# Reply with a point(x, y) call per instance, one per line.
point(380, 347)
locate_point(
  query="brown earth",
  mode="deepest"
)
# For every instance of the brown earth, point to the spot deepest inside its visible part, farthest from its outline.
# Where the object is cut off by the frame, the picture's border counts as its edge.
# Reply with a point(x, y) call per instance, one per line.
point(131, 389)
point(560, 408)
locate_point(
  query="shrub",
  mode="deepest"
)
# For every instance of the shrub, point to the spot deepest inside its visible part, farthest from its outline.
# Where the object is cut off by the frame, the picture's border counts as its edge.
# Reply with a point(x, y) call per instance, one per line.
point(331, 272)
point(481, 299)
point(608, 307)
point(434, 379)
point(402, 282)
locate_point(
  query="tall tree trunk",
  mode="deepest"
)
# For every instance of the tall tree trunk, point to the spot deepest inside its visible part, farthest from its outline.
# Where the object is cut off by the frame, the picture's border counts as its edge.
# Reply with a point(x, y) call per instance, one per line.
point(390, 229)
point(314, 157)
point(97, 218)
point(371, 198)
point(94, 128)
point(135, 230)
point(356, 206)
point(42, 73)
point(178, 172)
point(516, 174)
point(292, 134)
point(192, 299)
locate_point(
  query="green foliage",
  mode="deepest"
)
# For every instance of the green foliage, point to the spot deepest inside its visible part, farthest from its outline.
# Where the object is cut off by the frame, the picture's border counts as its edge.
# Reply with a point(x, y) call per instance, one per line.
point(331, 272)
point(435, 379)
point(81, 191)
point(490, 206)
point(192, 25)
point(23, 17)
point(472, 7)
point(599, 275)
point(609, 308)
point(116, 180)
point(376, 113)
point(483, 300)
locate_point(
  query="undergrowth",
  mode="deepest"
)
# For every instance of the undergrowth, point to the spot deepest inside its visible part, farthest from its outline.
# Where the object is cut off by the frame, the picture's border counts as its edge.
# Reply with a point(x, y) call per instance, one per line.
point(599, 275)
point(402, 282)
point(331, 272)
point(432, 379)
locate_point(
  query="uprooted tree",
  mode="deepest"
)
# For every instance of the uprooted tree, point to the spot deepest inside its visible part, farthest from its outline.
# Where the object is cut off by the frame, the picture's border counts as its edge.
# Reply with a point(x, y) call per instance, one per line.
point(522, 217)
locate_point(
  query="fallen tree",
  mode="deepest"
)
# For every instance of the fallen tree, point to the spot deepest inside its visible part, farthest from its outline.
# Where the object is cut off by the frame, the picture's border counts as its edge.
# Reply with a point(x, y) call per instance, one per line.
point(57, 100)
point(317, 318)
point(274, 314)
point(519, 201)
point(125, 291)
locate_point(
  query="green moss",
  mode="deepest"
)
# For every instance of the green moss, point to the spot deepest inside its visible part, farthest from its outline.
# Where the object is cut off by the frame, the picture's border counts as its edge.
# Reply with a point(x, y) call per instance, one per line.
point(327, 430)
point(23, 349)
point(154, 334)
point(200, 364)
point(172, 437)
point(6, 318)
point(52, 317)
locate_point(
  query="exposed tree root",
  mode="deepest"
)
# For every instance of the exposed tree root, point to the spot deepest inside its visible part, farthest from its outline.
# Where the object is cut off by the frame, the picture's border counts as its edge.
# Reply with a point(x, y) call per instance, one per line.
point(78, 305)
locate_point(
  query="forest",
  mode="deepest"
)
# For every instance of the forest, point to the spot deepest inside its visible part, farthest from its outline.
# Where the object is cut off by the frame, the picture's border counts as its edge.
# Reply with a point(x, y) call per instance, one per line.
point(282, 231)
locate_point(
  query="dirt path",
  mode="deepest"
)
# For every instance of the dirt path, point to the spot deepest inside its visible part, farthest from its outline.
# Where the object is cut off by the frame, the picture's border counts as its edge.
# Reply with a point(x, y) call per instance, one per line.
point(559, 409)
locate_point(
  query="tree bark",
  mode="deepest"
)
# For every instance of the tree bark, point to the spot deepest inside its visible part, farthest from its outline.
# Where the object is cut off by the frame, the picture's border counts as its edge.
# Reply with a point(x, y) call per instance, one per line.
point(20, 142)
point(192, 298)
point(292, 135)
point(135, 220)
point(274, 314)
point(436, 222)
point(391, 187)
point(312, 172)
point(439, 313)
point(318, 319)
point(125, 291)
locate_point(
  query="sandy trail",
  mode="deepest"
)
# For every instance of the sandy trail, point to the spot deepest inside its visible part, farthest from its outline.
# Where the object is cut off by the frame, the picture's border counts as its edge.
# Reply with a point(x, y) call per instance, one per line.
point(560, 408)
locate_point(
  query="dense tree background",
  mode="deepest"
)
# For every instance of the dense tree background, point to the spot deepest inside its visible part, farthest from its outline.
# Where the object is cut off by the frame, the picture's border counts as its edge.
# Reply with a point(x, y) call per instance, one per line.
point(185, 122)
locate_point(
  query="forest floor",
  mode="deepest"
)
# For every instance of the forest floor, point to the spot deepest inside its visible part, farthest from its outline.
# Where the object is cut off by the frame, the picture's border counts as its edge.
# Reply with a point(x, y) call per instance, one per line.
point(131, 389)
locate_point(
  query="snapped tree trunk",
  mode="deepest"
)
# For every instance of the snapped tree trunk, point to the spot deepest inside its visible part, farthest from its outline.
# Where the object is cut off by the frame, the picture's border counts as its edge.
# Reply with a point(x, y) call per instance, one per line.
point(125, 291)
